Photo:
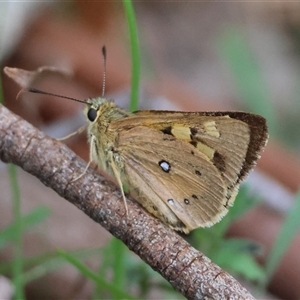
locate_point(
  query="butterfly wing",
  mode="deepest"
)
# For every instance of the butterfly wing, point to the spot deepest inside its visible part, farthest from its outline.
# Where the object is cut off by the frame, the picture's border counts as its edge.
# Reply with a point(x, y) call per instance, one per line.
point(171, 178)
point(232, 141)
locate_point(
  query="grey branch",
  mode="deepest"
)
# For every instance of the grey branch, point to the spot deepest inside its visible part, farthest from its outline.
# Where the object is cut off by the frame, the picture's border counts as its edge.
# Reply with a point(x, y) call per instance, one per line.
point(188, 270)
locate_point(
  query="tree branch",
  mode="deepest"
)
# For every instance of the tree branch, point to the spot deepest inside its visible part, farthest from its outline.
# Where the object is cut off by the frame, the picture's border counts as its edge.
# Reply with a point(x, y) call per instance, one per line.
point(188, 270)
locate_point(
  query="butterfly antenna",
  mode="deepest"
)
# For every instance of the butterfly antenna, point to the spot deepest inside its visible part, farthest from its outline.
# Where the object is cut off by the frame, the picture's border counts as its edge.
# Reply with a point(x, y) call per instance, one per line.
point(104, 70)
point(36, 91)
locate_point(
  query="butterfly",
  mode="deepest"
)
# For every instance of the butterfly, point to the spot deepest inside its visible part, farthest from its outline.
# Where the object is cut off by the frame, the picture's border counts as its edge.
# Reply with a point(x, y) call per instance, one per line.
point(185, 168)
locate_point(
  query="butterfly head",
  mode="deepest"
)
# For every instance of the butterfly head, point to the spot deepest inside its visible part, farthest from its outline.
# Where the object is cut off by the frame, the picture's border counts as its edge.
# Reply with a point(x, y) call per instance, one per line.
point(93, 108)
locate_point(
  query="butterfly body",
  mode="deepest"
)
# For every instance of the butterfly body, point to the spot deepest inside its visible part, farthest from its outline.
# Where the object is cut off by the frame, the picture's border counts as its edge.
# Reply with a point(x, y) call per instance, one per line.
point(102, 140)
point(183, 167)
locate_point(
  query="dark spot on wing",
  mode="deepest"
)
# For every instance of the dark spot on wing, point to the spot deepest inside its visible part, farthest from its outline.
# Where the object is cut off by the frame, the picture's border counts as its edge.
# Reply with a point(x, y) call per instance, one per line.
point(194, 130)
point(197, 172)
point(154, 208)
point(167, 130)
point(219, 161)
point(194, 143)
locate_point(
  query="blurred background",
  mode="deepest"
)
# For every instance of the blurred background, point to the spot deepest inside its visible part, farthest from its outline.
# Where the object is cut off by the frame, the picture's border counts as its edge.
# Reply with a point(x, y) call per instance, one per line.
point(194, 56)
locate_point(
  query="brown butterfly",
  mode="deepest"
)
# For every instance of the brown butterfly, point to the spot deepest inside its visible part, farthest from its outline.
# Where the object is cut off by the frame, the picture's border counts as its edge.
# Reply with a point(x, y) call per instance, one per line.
point(183, 167)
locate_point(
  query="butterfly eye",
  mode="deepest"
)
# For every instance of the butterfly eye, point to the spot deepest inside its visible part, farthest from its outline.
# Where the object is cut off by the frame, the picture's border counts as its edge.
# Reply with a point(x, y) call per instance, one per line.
point(92, 114)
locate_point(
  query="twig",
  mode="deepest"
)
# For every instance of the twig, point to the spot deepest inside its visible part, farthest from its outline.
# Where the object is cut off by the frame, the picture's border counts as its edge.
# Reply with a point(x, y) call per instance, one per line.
point(188, 270)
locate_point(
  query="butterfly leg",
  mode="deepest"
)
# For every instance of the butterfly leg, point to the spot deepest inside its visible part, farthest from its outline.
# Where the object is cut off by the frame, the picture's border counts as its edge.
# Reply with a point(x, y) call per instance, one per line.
point(78, 131)
point(118, 177)
point(91, 156)
point(85, 169)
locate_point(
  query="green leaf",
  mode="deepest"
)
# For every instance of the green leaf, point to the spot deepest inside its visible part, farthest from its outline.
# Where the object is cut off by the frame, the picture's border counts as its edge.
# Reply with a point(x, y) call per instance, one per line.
point(238, 257)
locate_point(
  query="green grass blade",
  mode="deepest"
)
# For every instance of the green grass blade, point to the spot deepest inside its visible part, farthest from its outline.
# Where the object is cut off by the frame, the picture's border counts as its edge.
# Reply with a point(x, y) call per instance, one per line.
point(104, 269)
point(119, 268)
point(17, 234)
point(34, 217)
point(41, 265)
point(135, 54)
point(288, 231)
point(115, 262)
point(114, 289)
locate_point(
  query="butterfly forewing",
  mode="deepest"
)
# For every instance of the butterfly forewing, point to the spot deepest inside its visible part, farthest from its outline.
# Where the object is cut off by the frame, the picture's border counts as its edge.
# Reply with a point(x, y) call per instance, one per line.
point(188, 185)
point(231, 140)
point(186, 167)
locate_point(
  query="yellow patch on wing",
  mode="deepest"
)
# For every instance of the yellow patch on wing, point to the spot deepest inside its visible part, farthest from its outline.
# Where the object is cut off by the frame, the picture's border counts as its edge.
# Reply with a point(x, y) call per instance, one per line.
point(211, 129)
point(209, 152)
point(181, 133)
